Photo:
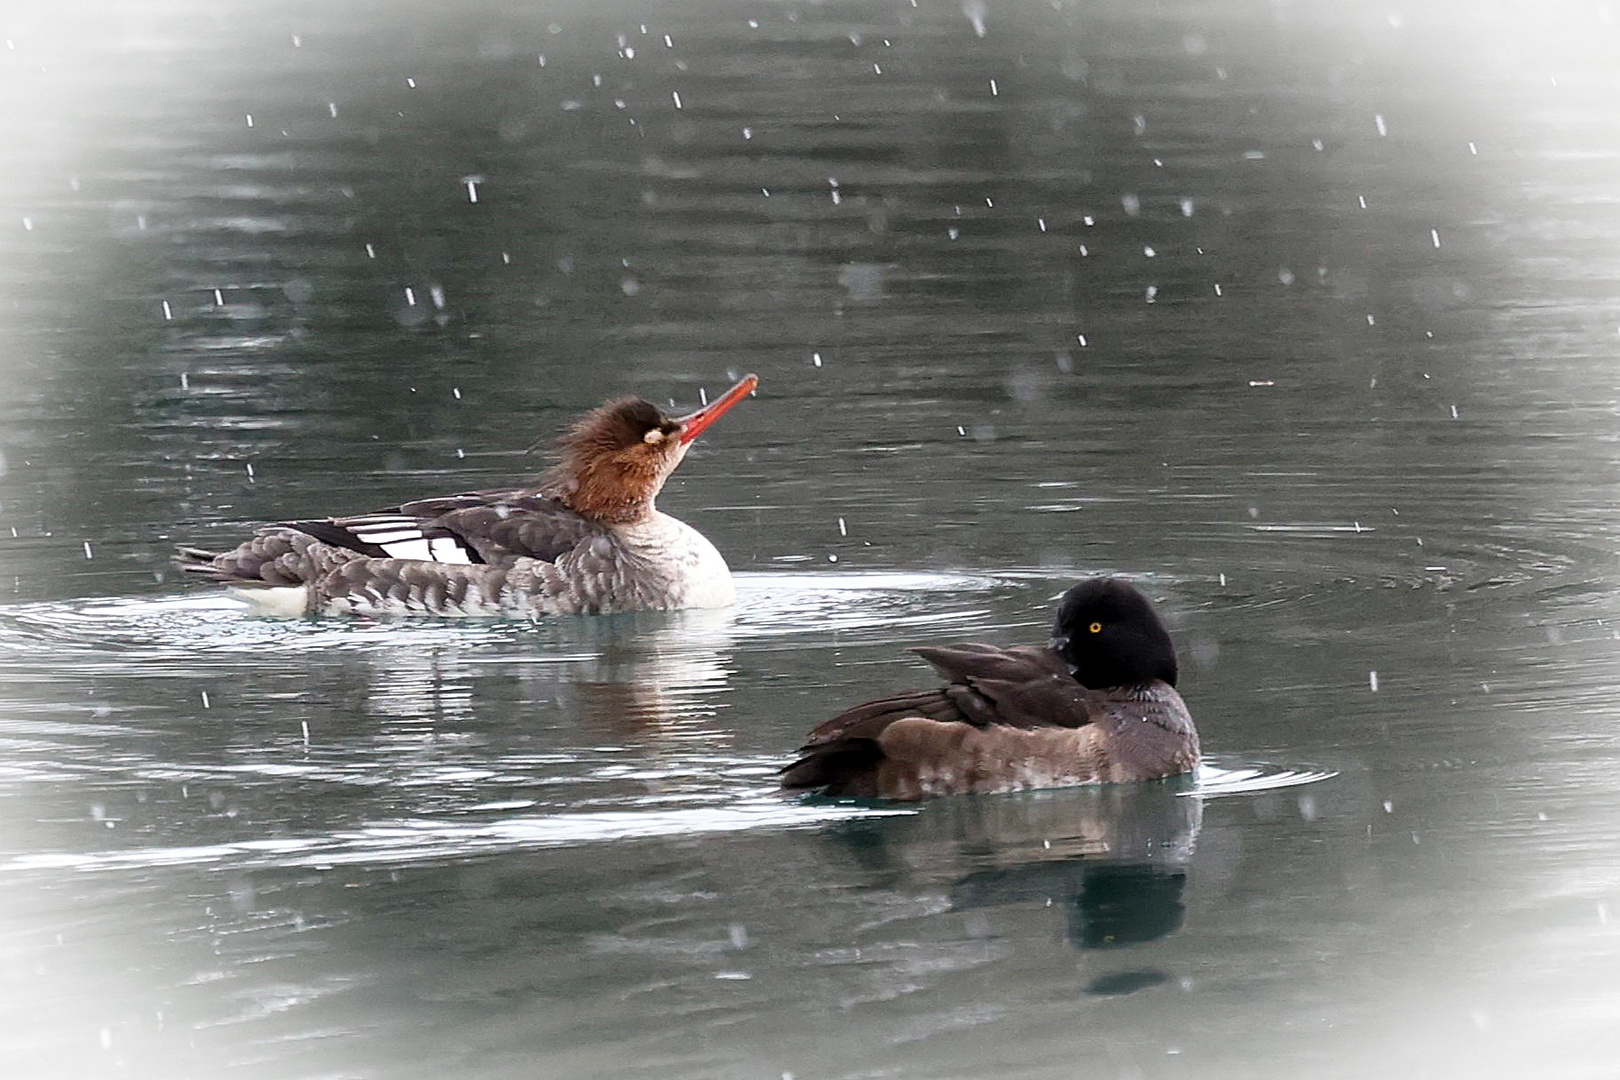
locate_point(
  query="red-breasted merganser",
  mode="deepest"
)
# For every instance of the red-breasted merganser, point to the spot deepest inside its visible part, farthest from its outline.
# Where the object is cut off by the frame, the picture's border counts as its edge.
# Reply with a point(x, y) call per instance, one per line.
point(1097, 704)
point(587, 539)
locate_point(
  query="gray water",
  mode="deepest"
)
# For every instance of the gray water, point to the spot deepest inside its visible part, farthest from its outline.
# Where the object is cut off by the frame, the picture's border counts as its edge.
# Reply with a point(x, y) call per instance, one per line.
point(1302, 314)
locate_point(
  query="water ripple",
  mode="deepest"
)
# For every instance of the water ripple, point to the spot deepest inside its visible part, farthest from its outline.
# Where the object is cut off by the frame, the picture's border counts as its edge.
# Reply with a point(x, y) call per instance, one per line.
point(768, 605)
point(1215, 780)
point(410, 840)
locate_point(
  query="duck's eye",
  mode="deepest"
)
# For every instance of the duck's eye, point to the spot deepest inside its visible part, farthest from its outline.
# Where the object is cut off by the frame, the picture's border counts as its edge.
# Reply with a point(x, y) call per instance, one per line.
point(654, 436)
point(1095, 628)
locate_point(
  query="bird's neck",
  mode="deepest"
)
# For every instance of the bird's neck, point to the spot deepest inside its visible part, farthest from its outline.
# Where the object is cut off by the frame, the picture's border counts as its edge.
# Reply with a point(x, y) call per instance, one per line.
point(609, 504)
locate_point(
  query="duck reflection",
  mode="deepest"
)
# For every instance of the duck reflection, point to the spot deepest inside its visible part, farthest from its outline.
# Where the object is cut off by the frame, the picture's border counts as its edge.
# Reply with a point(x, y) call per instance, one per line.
point(1108, 905)
point(621, 675)
point(1113, 858)
point(647, 672)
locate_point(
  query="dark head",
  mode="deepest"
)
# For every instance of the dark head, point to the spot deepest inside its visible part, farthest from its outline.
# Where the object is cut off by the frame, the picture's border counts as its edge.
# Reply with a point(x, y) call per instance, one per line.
point(1110, 635)
point(615, 459)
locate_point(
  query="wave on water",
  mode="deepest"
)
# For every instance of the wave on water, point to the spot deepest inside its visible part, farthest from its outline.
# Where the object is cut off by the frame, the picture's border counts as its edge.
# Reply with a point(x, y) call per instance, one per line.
point(1216, 780)
point(486, 828)
point(411, 840)
point(769, 605)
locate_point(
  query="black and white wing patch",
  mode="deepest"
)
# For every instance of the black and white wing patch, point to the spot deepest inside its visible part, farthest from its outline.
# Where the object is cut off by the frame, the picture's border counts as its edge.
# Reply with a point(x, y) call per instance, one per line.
point(391, 536)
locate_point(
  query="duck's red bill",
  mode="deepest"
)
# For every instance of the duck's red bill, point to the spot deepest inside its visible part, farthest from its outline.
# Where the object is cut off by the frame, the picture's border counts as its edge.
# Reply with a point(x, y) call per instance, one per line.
point(694, 424)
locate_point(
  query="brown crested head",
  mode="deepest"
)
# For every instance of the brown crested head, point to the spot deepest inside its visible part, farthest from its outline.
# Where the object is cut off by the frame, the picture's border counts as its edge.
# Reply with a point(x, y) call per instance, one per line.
point(614, 460)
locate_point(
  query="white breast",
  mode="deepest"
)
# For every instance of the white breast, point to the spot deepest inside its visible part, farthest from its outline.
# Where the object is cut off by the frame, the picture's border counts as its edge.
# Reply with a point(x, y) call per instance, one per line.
point(672, 554)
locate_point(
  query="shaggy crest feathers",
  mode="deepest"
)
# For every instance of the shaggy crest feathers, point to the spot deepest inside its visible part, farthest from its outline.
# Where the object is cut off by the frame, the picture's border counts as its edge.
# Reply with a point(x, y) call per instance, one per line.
point(611, 466)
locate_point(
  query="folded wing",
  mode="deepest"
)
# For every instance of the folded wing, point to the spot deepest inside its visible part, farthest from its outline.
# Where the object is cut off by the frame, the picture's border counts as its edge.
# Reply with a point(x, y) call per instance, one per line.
point(477, 527)
point(990, 692)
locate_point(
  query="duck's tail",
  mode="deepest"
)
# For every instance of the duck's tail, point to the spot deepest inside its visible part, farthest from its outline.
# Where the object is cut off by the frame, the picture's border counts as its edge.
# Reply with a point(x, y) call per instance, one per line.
point(275, 558)
point(842, 767)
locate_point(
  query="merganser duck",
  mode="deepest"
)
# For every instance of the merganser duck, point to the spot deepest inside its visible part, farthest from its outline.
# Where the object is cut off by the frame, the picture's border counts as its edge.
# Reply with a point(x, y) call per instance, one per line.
point(1098, 704)
point(587, 539)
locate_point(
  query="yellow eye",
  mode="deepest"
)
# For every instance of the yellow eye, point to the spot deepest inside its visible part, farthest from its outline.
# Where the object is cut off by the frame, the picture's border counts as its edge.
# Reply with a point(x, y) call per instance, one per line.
point(1095, 628)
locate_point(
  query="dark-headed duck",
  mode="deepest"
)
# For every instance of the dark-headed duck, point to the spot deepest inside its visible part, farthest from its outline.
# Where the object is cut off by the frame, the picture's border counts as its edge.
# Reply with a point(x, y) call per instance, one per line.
point(1098, 704)
point(586, 539)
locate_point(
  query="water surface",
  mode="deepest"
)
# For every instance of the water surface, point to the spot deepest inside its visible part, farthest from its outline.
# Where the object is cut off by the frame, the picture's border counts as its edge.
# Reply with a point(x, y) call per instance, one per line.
point(1302, 315)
